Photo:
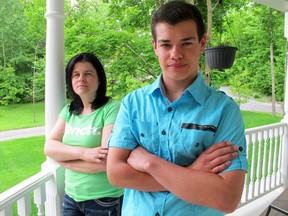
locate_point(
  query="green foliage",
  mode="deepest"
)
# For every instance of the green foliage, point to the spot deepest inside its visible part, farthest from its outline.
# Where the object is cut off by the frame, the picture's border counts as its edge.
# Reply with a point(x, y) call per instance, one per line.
point(252, 37)
point(118, 32)
point(131, 14)
point(240, 88)
point(12, 31)
point(11, 86)
point(125, 50)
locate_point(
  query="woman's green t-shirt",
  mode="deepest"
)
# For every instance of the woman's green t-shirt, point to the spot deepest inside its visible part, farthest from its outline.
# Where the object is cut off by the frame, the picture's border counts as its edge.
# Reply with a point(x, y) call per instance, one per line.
point(86, 131)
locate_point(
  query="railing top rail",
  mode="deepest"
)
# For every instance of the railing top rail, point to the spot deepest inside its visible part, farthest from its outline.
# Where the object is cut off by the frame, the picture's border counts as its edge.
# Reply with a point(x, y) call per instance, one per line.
point(266, 127)
point(18, 191)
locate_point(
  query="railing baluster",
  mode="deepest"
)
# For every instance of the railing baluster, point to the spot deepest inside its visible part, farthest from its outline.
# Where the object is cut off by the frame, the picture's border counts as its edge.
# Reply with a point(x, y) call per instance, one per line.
point(259, 164)
point(246, 187)
point(281, 140)
point(252, 171)
point(270, 159)
point(24, 205)
point(7, 211)
point(275, 144)
point(39, 199)
point(264, 164)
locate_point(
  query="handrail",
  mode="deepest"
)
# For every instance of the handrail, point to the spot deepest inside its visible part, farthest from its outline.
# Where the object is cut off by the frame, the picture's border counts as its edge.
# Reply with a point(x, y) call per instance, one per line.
point(9, 196)
point(265, 127)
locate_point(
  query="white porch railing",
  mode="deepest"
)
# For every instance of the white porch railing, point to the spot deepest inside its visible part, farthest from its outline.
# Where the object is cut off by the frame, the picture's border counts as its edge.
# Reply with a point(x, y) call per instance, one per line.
point(47, 187)
point(267, 158)
point(267, 151)
point(21, 194)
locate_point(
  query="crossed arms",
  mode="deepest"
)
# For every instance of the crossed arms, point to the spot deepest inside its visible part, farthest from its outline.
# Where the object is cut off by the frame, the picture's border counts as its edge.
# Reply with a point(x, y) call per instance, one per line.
point(200, 183)
point(77, 158)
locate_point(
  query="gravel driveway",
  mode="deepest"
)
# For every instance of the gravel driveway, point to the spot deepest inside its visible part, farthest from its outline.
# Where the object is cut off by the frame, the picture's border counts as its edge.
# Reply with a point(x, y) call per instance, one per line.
point(254, 105)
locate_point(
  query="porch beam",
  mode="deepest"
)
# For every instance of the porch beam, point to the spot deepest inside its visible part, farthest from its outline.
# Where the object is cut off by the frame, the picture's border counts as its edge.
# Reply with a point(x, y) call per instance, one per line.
point(280, 5)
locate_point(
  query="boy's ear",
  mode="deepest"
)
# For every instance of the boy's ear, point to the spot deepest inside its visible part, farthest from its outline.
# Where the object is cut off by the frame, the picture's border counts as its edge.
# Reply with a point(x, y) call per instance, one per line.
point(154, 46)
point(203, 42)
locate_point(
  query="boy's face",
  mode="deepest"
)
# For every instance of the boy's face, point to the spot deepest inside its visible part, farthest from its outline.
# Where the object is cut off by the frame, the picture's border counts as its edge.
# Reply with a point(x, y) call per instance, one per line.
point(178, 50)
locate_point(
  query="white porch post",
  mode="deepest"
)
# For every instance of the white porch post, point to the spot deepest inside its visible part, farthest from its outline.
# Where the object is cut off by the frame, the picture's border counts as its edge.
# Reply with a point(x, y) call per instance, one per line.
point(286, 72)
point(285, 146)
point(55, 77)
point(55, 97)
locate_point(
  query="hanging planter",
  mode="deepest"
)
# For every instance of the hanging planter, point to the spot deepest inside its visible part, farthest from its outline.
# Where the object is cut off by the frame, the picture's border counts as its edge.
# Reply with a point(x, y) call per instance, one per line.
point(220, 57)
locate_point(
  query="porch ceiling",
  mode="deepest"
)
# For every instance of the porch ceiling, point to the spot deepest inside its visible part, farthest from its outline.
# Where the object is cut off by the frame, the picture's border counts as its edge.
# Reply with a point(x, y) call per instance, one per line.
point(281, 5)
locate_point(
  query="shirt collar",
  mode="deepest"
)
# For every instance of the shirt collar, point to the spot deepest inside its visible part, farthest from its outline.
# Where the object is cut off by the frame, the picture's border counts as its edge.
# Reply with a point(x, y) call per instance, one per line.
point(155, 86)
point(198, 89)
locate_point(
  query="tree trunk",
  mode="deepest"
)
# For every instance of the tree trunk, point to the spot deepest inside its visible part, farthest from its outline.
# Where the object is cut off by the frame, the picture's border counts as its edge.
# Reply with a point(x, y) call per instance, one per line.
point(209, 34)
point(34, 83)
point(3, 50)
point(272, 64)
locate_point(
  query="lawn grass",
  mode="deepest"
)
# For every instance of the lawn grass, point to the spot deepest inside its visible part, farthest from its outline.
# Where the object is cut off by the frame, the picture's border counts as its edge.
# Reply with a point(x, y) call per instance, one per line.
point(254, 119)
point(21, 158)
point(21, 116)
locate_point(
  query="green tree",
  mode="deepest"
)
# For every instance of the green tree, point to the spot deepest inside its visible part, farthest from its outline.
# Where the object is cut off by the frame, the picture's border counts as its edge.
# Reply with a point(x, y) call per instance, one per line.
point(35, 48)
point(12, 27)
point(10, 86)
point(250, 27)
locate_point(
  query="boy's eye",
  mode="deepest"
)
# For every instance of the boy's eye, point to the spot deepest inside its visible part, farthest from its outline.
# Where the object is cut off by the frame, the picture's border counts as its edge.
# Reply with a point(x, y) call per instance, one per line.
point(165, 45)
point(187, 43)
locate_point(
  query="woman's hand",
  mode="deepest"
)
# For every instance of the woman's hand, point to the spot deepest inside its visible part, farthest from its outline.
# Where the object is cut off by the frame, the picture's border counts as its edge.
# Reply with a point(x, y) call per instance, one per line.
point(96, 155)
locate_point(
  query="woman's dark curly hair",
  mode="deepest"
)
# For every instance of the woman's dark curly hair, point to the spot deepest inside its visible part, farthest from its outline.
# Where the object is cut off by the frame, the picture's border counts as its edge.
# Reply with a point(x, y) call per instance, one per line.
point(76, 105)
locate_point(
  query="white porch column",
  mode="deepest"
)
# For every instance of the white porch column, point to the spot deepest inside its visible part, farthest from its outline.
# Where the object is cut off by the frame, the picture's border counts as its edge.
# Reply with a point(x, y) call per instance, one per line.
point(55, 97)
point(286, 72)
point(285, 147)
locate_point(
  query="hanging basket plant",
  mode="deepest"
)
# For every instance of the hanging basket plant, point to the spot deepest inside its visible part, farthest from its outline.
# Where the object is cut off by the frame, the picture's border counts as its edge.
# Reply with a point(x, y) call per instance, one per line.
point(220, 57)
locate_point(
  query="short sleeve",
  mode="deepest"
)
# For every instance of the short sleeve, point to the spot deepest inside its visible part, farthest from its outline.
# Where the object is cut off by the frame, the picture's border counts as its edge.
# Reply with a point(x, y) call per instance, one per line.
point(231, 128)
point(110, 111)
point(122, 135)
point(64, 112)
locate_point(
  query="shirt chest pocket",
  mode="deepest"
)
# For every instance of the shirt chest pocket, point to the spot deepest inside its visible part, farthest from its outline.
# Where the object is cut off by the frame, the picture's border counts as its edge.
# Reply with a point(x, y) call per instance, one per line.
point(190, 144)
point(146, 134)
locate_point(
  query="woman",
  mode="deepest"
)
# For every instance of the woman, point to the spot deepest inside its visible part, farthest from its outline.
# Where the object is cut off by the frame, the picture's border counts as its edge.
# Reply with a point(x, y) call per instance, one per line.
point(79, 137)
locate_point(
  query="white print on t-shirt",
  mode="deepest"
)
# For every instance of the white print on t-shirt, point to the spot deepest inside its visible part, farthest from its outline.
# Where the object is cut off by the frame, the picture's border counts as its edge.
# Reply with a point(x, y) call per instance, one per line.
point(89, 130)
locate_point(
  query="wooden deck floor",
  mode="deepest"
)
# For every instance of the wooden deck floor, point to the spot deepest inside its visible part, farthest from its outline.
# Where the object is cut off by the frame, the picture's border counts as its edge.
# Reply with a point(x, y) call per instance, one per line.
point(281, 202)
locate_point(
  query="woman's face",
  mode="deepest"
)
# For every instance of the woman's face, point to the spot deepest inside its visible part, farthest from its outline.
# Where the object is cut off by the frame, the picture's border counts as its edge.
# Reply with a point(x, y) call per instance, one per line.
point(85, 81)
